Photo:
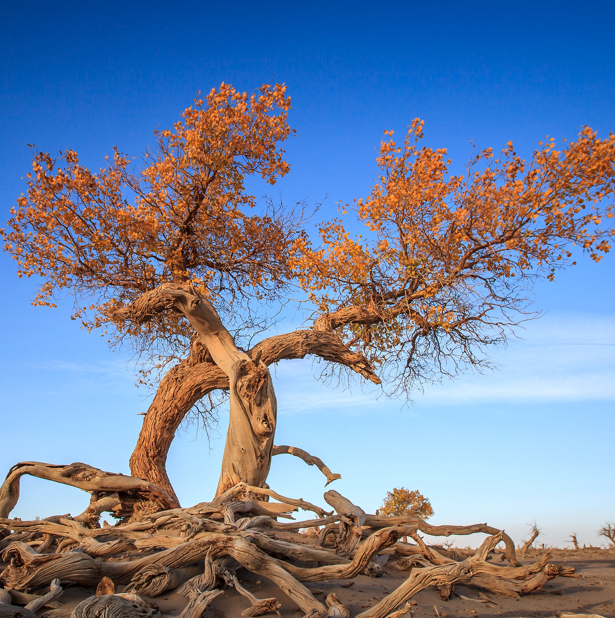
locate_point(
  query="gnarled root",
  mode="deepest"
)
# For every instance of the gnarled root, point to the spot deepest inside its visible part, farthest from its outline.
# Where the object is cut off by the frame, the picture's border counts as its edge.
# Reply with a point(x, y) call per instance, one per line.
point(258, 607)
point(155, 579)
point(474, 570)
point(122, 488)
point(115, 606)
point(163, 550)
point(199, 603)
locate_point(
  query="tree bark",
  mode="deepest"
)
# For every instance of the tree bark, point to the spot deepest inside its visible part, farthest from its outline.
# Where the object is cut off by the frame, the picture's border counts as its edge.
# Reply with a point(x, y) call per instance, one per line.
point(177, 393)
point(253, 406)
point(248, 449)
point(84, 477)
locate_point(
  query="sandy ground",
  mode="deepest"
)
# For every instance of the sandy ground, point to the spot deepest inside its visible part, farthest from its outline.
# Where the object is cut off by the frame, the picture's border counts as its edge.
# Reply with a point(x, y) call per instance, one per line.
point(592, 592)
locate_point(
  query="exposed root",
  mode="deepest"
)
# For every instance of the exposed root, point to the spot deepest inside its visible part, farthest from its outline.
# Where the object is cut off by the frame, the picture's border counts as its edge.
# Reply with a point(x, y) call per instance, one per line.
point(194, 552)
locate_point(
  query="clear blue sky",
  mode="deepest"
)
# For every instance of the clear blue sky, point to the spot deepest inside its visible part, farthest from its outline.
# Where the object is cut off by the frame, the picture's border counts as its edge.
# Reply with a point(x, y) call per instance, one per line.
point(530, 441)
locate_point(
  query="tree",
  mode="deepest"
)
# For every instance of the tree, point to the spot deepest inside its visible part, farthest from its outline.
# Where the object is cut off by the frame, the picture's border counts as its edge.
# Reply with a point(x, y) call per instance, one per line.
point(608, 532)
point(403, 502)
point(534, 534)
point(177, 258)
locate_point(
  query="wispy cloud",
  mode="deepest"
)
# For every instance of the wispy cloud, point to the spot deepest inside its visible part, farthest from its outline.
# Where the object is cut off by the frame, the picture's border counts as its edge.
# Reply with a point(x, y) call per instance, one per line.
point(559, 358)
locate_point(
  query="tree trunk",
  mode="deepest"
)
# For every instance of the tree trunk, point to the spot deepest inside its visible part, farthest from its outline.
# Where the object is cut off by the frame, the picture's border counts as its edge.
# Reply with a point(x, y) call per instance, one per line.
point(177, 393)
point(252, 423)
point(253, 407)
point(248, 450)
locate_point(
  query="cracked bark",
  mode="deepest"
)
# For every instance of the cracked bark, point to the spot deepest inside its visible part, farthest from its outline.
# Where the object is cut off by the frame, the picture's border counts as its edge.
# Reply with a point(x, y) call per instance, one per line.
point(252, 423)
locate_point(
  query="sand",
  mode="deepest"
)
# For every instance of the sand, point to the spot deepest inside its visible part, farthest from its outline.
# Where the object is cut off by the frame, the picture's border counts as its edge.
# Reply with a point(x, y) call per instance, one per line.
point(592, 592)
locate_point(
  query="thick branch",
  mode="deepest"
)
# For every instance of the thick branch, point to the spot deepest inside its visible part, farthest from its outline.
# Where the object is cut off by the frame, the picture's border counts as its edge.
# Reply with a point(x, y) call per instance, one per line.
point(79, 475)
point(310, 460)
point(325, 344)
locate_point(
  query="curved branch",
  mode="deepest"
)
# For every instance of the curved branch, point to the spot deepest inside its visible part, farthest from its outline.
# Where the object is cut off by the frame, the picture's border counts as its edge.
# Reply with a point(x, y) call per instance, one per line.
point(84, 477)
point(325, 344)
point(376, 521)
point(310, 460)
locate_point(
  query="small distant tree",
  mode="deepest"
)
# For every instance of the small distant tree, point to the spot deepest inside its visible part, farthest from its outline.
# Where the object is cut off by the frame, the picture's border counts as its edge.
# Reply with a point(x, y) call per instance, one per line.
point(404, 502)
point(608, 531)
point(534, 533)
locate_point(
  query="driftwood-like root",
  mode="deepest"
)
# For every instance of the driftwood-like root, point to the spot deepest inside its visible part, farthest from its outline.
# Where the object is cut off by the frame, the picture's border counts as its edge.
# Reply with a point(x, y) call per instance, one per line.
point(258, 607)
point(55, 591)
point(14, 611)
point(84, 477)
point(199, 603)
point(163, 551)
point(534, 533)
point(154, 579)
point(474, 570)
point(379, 521)
point(200, 583)
point(115, 606)
point(336, 609)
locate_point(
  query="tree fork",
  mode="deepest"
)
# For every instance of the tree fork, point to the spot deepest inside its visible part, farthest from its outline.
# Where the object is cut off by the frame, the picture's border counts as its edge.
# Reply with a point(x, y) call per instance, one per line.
point(191, 380)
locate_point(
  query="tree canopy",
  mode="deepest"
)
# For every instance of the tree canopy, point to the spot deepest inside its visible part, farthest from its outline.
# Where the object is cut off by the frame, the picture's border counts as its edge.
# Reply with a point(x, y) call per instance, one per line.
point(158, 250)
point(402, 501)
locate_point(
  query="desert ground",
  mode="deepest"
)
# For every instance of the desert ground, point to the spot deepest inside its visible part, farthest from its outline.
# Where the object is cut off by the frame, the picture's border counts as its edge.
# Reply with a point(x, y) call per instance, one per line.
point(592, 592)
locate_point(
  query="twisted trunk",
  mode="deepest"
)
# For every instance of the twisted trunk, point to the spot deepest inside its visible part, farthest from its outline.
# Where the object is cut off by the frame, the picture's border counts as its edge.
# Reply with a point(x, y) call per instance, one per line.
point(177, 393)
point(248, 450)
point(253, 407)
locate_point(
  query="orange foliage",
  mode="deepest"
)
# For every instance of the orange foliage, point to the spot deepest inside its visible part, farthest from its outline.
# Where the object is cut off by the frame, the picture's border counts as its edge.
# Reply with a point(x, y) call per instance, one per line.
point(403, 502)
point(441, 271)
point(444, 263)
point(110, 236)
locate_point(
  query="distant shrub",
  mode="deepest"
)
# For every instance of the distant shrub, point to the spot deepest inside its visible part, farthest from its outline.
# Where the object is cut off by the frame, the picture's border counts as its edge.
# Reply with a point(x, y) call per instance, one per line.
point(404, 502)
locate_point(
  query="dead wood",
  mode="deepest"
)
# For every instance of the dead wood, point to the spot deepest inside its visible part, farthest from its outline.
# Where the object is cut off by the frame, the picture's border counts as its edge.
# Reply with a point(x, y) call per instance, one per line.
point(5, 597)
point(199, 603)
point(379, 540)
point(258, 607)
point(350, 525)
point(297, 525)
point(154, 579)
point(164, 548)
point(378, 521)
point(310, 460)
point(471, 571)
point(29, 569)
point(336, 609)
point(258, 562)
point(13, 611)
point(23, 598)
point(269, 509)
point(200, 583)
point(84, 477)
point(244, 488)
point(115, 606)
point(608, 532)
point(294, 551)
point(55, 592)
point(98, 506)
point(60, 612)
point(534, 532)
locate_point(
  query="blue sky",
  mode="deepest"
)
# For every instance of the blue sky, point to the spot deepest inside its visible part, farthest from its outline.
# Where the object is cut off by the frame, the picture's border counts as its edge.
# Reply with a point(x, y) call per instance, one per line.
point(531, 441)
